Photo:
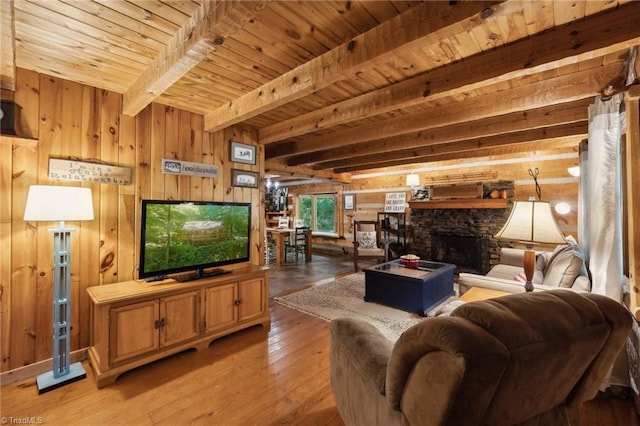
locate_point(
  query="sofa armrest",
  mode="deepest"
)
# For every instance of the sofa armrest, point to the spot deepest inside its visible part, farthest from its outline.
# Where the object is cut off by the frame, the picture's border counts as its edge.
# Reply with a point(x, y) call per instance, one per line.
point(363, 346)
point(466, 281)
point(358, 359)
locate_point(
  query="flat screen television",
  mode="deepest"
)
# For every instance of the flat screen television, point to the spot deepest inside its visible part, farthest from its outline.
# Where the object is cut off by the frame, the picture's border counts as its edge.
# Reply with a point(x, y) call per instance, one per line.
point(192, 236)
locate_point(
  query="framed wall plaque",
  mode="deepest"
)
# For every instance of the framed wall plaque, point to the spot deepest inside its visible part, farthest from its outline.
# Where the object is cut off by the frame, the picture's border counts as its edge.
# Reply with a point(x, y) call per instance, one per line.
point(243, 153)
point(245, 178)
point(349, 201)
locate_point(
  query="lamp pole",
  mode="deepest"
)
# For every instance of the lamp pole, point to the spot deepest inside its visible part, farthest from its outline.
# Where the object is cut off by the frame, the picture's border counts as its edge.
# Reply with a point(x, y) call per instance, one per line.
point(60, 203)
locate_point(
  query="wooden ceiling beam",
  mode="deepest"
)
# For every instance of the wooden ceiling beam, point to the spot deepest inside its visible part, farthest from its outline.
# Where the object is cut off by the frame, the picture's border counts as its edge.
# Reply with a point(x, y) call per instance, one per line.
point(593, 36)
point(508, 123)
point(7, 46)
point(574, 131)
point(569, 87)
point(530, 148)
point(208, 27)
point(280, 168)
point(410, 29)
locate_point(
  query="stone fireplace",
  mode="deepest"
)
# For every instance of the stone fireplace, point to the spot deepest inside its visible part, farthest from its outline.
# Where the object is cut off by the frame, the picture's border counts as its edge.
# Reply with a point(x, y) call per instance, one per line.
point(459, 234)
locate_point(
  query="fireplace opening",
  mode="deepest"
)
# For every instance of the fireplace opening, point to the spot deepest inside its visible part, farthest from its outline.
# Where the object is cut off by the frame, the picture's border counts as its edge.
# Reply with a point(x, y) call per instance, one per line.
point(468, 253)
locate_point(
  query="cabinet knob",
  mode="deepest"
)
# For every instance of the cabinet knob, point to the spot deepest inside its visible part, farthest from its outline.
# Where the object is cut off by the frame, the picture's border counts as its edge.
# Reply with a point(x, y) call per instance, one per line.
point(238, 301)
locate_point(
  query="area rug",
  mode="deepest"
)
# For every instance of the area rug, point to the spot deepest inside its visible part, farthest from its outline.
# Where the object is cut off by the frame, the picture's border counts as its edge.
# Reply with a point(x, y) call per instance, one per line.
point(344, 297)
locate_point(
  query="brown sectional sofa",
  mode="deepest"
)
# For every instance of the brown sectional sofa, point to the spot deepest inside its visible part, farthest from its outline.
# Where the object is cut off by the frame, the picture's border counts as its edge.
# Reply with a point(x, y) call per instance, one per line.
point(492, 362)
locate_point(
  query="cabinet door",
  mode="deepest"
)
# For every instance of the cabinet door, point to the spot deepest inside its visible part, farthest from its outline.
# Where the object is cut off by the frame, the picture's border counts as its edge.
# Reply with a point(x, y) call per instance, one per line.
point(133, 330)
point(220, 307)
point(180, 318)
point(253, 299)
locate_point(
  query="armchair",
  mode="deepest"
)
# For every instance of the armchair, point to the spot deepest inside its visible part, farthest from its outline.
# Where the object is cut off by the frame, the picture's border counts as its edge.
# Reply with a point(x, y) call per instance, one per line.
point(367, 242)
point(522, 359)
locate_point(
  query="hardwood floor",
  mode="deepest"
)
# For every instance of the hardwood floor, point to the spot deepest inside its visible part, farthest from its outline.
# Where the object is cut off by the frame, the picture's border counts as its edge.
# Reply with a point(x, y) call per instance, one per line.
point(254, 377)
point(294, 276)
point(251, 377)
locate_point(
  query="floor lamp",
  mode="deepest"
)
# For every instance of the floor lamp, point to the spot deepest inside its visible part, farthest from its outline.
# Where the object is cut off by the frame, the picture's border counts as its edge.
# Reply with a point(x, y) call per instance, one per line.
point(531, 222)
point(60, 203)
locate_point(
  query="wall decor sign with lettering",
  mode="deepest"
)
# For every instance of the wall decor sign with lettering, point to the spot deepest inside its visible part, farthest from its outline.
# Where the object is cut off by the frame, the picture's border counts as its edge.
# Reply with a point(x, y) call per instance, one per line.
point(245, 178)
point(394, 202)
point(187, 168)
point(82, 171)
point(243, 153)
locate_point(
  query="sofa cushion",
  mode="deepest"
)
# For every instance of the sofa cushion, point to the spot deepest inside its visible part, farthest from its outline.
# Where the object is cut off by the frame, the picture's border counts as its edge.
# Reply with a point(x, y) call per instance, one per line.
point(563, 267)
point(522, 278)
point(509, 272)
point(506, 272)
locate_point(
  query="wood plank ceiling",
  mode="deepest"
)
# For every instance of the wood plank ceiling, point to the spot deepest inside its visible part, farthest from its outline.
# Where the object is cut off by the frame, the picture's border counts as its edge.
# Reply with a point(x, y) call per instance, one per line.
point(343, 86)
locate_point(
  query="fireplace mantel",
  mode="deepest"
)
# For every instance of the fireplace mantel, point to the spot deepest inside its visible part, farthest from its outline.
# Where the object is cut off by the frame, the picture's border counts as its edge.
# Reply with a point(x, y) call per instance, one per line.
point(472, 203)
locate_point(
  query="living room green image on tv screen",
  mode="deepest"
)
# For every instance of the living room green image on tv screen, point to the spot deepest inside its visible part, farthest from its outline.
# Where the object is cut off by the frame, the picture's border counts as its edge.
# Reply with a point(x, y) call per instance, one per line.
point(191, 235)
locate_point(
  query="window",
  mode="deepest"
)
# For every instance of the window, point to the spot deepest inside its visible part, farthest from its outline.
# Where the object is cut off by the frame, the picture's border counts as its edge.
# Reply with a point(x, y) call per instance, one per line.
point(318, 212)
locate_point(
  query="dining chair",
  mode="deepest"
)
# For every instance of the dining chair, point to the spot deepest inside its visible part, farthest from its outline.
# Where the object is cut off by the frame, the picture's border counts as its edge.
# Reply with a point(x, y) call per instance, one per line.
point(298, 244)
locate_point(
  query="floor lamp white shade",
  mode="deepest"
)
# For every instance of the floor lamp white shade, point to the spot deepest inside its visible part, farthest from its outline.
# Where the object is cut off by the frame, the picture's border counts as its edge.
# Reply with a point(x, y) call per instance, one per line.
point(60, 203)
point(531, 222)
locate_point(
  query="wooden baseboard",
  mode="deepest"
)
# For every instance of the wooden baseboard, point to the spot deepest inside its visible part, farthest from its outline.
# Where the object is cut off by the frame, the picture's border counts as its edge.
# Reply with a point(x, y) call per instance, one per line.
point(32, 370)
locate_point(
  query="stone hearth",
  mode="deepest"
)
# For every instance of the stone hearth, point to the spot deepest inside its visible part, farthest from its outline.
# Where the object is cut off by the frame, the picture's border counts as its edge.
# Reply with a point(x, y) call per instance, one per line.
point(476, 226)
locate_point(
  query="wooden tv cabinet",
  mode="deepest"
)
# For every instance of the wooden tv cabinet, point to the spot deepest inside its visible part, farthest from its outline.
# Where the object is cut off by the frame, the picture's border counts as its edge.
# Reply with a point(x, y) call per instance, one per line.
point(136, 322)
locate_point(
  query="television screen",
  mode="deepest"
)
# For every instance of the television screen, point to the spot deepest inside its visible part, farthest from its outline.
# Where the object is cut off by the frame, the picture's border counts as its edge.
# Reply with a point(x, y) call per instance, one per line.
point(179, 236)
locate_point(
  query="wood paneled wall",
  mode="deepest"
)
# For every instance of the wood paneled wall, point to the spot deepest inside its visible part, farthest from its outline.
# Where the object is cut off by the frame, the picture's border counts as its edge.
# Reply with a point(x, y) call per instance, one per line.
point(370, 188)
point(61, 119)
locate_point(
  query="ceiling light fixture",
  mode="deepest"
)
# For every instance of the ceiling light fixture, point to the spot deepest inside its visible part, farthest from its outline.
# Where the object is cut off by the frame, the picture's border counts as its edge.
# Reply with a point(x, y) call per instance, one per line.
point(562, 208)
point(574, 171)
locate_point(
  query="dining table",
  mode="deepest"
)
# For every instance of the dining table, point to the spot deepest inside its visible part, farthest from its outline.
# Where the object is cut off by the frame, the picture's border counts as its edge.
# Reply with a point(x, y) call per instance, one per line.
point(280, 235)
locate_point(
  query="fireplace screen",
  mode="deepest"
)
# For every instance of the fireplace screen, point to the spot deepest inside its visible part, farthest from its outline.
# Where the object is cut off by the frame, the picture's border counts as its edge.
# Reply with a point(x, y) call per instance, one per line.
point(466, 252)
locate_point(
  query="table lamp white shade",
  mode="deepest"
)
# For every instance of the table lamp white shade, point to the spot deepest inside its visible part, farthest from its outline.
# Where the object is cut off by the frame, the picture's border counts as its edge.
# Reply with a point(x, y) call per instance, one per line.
point(58, 203)
point(531, 222)
point(413, 179)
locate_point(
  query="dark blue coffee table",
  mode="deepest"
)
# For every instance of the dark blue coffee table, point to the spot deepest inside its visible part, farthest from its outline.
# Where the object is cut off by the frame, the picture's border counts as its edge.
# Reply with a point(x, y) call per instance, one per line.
point(415, 290)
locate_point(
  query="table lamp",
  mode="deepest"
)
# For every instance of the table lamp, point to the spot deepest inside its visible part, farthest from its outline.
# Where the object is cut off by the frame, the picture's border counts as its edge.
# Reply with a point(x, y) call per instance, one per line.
point(531, 222)
point(60, 203)
point(413, 181)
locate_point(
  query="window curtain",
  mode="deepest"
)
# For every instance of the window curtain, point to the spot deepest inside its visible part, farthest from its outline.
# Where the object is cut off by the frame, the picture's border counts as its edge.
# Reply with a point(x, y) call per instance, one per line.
point(601, 230)
point(600, 225)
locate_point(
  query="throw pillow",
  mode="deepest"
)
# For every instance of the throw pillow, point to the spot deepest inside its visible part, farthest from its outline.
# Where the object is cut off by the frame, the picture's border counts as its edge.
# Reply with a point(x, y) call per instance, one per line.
point(521, 277)
point(367, 240)
point(537, 277)
point(541, 263)
point(580, 253)
point(563, 267)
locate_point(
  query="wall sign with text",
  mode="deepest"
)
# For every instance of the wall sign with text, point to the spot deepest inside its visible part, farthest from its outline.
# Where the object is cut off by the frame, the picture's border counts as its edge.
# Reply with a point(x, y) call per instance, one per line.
point(81, 171)
point(187, 168)
point(394, 202)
